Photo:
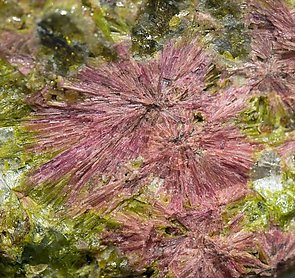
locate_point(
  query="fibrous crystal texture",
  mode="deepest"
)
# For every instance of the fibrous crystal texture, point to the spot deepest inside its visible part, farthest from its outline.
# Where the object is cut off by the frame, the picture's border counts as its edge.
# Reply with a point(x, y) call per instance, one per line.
point(157, 111)
point(273, 46)
point(188, 251)
point(154, 133)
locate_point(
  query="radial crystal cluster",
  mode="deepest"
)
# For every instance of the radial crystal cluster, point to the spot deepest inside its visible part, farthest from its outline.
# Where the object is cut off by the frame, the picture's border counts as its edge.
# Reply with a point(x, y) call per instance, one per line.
point(156, 144)
point(196, 249)
point(273, 46)
point(157, 111)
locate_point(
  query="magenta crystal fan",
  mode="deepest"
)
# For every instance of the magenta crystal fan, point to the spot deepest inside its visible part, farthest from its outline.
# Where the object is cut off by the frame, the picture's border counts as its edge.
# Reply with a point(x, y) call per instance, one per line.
point(184, 155)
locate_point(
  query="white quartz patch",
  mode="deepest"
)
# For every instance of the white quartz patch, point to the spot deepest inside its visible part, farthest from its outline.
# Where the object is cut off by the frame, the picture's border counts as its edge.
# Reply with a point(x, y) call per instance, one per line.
point(271, 183)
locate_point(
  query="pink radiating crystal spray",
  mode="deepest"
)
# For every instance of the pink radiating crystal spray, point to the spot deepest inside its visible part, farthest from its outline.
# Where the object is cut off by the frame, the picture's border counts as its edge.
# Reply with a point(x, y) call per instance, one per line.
point(160, 112)
point(196, 249)
point(273, 49)
point(157, 110)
